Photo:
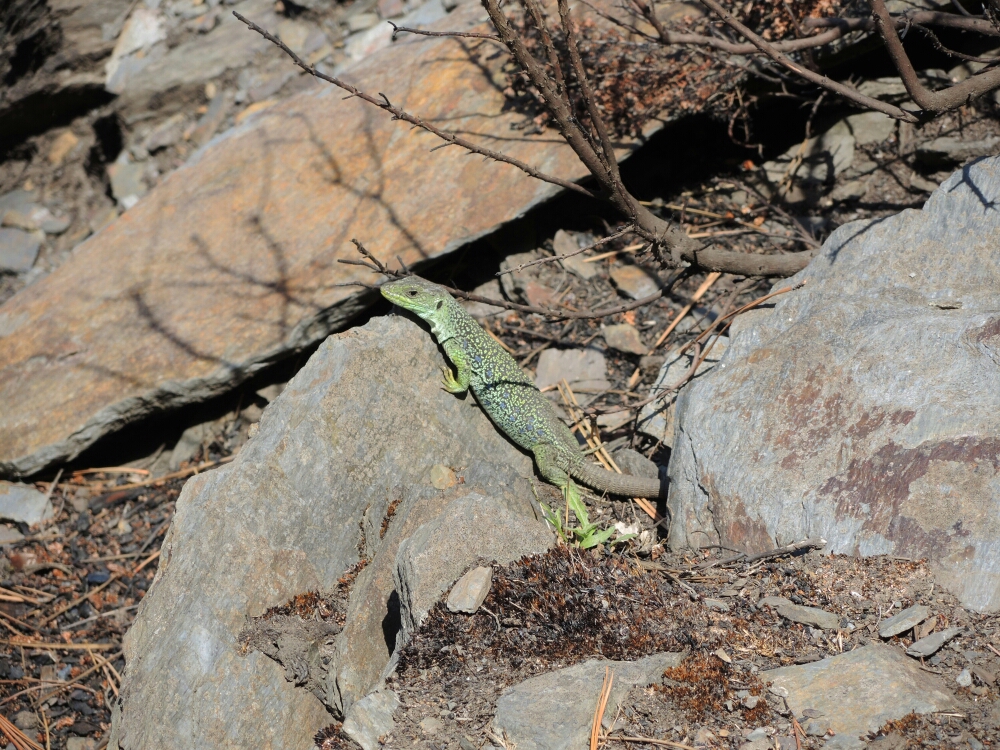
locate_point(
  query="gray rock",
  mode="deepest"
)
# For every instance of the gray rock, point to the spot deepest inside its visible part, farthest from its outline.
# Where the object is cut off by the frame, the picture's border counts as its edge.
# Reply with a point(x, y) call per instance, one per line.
point(18, 250)
point(929, 645)
point(861, 690)
point(565, 243)
point(760, 733)
point(470, 591)
point(823, 157)
point(624, 338)
point(9, 535)
point(81, 743)
point(964, 678)
point(304, 500)
point(439, 552)
point(812, 430)
point(813, 616)
point(657, 419)
point(816, 727)
point(852, 190)
point(189, 444)
point(583, 369)
point(869, 127)
point(431, 725)
point(17, 200)
point(635, 282)
point(22, 503)
point(478, 310)
point(554, 711)
point(361, 21)
point(127, 185)
point(883, 88)
point(907, 619)
point(948, 151)
point(634, 463)
point(370, 718)
point(772, 601)
point(514, 284)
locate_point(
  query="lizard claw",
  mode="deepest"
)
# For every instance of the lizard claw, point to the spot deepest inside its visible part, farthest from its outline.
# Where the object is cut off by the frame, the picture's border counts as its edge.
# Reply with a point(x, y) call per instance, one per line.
point(450, 383)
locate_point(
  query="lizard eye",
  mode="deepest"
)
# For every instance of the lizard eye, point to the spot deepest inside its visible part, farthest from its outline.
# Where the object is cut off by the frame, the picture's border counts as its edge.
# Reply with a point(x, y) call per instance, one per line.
point(412, 293)
point(440, 302)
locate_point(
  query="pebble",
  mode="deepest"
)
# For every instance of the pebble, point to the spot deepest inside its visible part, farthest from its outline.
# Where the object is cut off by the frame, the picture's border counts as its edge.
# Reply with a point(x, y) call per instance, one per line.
point(9, 535)
point(22, 503)
point(624, 338)
point(565, 243)
point(18, 249)
point(905, 620)
point(816, 727)
point(126, 179)
point(817, 618)
point(167, 133)
point(585, 369)
point(964, 678)
point(469, 592)
point(930, 644)
point(61, 146)
point(431, 725)
point(634, 282)
point(716, 604)
point(760, 733)
point(442, 477)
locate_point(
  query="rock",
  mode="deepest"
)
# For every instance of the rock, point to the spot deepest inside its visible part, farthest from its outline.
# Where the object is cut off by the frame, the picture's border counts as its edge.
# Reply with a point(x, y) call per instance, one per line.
point(584, 369)
point(89, 364)
point(964, 678)
point(390, 8)
point(209, 122)
point(565, 243)
point(431, 725)
point(470, 591)
point(26, 720)
point(442, 477)
point(930, 644)
point(370, 718)
point(634, 463)
point(166, 134)
point(635, 282)
point(905, 620)
point(853, 190)
point(81, 743)
point(813, 616)
point(63, 144)
point(554, 711)
point(947, 151)
point(347, 447)
point(823, 157)
point(361, 21)
point(144, 28)
point(869, 127)
point(190, 442)
point(859, 691)
point(657, 419)
point(624, 338)
point(920, 183)
point(127, 185)
point(479, 310)
point(816, 727)
point(883, 88)
point(875, 454)
point(439, 552)
point(22, 503)
point(9, 535)
point(18, 250)
point(514, 284)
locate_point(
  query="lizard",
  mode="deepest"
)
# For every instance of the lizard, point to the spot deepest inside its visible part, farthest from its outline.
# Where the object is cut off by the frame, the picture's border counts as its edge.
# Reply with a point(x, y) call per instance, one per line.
point(507, 394)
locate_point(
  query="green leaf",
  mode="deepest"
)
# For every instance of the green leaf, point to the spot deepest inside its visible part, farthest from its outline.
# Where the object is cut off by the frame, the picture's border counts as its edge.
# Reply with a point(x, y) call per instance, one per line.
point(599, 538)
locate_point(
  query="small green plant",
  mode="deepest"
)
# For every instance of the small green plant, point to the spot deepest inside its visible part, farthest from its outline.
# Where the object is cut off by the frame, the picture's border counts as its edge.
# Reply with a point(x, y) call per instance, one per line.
point(586, 534)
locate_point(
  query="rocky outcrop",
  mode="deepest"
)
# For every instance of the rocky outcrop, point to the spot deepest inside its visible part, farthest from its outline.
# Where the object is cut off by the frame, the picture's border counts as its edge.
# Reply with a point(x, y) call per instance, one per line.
point(864, 407)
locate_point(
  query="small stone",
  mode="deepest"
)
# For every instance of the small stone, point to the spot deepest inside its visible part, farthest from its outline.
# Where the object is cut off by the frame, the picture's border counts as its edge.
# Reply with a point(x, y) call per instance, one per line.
point(442, 477)
point(538, 295)
point(717, 604)
point(983, 675)
point(928, 645)
point(431, 725)
point(167, 133)
point(126, 179)
point(614, 420)
point(905, 620)
point(371, 718)
point(816, 727)
point(624, 338)
point(19, 219)
point(751, 701)
point(61, 146)
point(565, 243)
point(584, 369)
point(479, 310)
point(18, 250)
point(361, 21)
point(852, 190)
point(760, 733)
point(205, 128)
point(721, 653)
point(870, 127)
point(22, 503)
point(635, 282)
point(964, 678)
point(469, 592)
point(948, 151)
point(9, 535)
point(920, 183)
point(703, 737)
point(813, 616)
point(761, 744)
point(26, 720)
point(786, 743)
point(81, 743)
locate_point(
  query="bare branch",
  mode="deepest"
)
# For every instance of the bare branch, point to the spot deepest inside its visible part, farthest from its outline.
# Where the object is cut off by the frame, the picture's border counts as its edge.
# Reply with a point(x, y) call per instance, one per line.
point(923, 17)
point(554, 258)
point(820, 80)
point(466, 34)
point(399, 114)
point(950, 52)
point(931, 101)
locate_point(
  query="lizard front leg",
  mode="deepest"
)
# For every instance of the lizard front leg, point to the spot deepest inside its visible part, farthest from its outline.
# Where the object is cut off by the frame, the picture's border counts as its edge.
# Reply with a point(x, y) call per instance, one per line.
point(457, 355)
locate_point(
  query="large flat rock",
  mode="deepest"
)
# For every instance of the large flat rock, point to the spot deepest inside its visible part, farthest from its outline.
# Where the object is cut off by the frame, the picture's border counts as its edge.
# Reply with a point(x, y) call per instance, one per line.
point(230, 263)
point(865, 407)
point(340, 470)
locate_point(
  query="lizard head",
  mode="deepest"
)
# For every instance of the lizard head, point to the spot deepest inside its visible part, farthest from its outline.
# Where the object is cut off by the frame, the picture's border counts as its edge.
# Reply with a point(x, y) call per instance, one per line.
point(417, 295)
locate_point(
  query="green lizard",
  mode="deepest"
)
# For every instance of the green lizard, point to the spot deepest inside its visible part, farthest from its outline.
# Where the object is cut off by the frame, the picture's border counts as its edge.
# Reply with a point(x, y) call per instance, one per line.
point(507, 394)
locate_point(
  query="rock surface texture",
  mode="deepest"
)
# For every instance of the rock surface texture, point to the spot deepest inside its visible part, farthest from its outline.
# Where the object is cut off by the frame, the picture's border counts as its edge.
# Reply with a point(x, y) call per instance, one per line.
point(246, 235)
point(864, 407)
point(339, 471)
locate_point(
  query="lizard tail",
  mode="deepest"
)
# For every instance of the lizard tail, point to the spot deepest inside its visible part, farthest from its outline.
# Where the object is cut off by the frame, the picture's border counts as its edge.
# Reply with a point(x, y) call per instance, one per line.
point(627, 485)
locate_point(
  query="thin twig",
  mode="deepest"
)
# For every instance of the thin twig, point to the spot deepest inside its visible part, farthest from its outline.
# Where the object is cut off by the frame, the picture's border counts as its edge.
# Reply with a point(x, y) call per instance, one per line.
point(383, 103)
point(467, 34)
point(553, 258)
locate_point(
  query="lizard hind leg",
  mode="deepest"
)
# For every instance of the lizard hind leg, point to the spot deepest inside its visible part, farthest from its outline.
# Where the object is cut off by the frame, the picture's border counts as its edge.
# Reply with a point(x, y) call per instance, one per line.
point(546, 458)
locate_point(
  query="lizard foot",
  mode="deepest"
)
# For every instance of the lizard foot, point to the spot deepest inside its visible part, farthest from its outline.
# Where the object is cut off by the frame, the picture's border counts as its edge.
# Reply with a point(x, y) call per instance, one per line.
point(451, 383)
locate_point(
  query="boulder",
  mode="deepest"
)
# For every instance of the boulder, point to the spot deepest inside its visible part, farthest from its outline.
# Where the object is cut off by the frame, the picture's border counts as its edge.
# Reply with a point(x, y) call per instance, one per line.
point(338, 474)
point(863, 408)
